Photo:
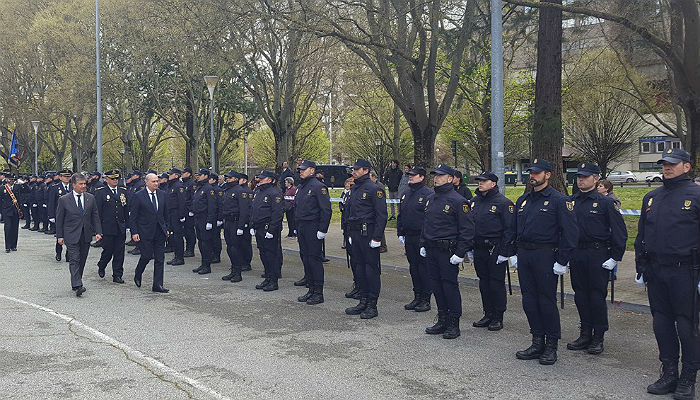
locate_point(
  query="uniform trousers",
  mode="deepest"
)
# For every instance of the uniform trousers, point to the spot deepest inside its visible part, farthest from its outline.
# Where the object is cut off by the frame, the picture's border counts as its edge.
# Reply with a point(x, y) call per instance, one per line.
point(420, 276)
point(538, 285)
point(113, 249)
point(270, 253)
point(443, 278)
point(204, 239)
point(310, 252)
point(492, 284)
point(189, 233)
point(367, 264)
point(590, 283)
point(234, 242)
point(11, 229)
point(176, 238)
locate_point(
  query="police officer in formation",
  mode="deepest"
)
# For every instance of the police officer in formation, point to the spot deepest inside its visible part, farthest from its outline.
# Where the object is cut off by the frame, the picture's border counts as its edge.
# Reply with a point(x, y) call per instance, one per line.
point(493, 219)
point(204, 208)
point(190, 186)
point(216, 236)
point(666, 255)
point(266, 216)
point(448, 234)
point(44, 199)
point(601, 245)
point(312, 219)
point(235, 211)
point(409, 225)
point(247, 240)
point(55, 192)
point(177, 211)
point(546, 236)
point(366, 221)
point(112, 206)
point(11, 209)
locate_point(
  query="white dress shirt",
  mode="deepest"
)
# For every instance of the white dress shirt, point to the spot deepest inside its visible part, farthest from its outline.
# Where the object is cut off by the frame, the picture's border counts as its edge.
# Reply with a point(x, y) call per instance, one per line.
point(151, 197)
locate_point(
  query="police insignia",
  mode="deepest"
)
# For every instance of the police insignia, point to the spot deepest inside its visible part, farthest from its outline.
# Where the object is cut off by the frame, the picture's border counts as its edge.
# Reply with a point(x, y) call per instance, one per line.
point(221, 193)
point(546, 203)
point(404, 196)
point(447, 207)
point(570, 205)
point(364, 195)
point(523, 203)
point(669, 151)
point(245, 195)
point(617, 207)
point(534, 161)
point(583, 165)
point(309, 191)
point(596, 204)
point(278, 199)
point(107, 197)
point(651, 200)
point(211, 192)
point(493, 208)
point(324, 191)
point(380, 194)
point(420, 199)
point(233, 195)
point(465, 208)
point(265, 199)
point(182, 190)
point(123, 199)
point(687, 203)
point(511, 209)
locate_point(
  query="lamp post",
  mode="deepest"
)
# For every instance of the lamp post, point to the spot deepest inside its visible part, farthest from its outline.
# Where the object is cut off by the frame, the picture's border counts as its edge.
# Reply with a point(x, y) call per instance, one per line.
point(211, 81)
point(99, 86)
point(35, 124)
point(497, 118)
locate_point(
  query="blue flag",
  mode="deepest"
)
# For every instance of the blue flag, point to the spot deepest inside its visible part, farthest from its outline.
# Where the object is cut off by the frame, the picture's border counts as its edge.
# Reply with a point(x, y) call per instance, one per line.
point(13, 158)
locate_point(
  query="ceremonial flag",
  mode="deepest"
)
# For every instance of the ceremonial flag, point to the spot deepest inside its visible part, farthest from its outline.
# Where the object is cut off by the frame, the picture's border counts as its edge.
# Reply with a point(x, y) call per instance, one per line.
point(13, 157)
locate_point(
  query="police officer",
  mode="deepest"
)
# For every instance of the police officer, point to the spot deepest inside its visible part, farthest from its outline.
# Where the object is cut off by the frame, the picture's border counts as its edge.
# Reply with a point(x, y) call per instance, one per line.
point(94, 182)
point(44, 212)
point(177, 199)
point(235, 210)
point(666, 256)
point(63, 187)
point(112, 205)
point(493, 219)
point(204, 209)
point(11, 209)
point(409, 225)
point(448, 234)
point(601, 245)
point(366, 220)
point(135, 184)
point(216, 244)
point(312, 218)
point(546, 235)
point(190, 186)
point(246, 243)
point(266, 216)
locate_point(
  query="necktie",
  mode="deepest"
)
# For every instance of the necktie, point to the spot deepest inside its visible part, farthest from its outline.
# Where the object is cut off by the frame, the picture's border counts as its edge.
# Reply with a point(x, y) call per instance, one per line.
point(115, 192)
point(80, 204)
point(153, 200)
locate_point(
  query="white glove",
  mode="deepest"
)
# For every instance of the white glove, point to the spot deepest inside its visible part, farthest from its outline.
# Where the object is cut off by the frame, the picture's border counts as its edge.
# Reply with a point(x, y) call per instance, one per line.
point(456, 260)
point(128, 232)
point(402, 239)
point(350, 240)
point(698, 287)
point(501, 259)
point(639, 279)
point(34, 205)
point(219, 223)
point(191, 214)
point(20, 182)
point(239, 232)
point(252, 232)
point(422, 252)
point(182, 219)
point(559, 269)
point(610, 264)
point(470, 255)
point(209, 226)
point(52, 220)
point(374, 244)
point(513, 261)
point(44, 205)
point(320, 235)
point(268, 235)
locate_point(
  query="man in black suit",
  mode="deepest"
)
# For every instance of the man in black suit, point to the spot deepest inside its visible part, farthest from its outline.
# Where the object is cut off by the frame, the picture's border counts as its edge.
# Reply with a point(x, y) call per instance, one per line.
point(149, 230)
point(112, 205)
point(77, 221)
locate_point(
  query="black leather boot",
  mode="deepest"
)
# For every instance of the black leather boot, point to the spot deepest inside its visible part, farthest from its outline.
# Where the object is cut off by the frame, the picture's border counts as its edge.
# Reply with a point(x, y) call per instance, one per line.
point(262, 284)
point(534, 351)
point(229, 276)
point(205, 270)
point(303, 298)
point(596, 346)
point(549, 357)
point(685, 389)
point(440, 325)
point(668, 380)
point(301, 282)
point(246, 267)
point(424, 304)
point(357, 310)
point(370, 311)
point(271, 286)
point(452, 331)
point(316, 297)
point(352, 292)
point(584, 339)
point(496, 323)
point(483, 322)
point(236, 274)
point(412, 305)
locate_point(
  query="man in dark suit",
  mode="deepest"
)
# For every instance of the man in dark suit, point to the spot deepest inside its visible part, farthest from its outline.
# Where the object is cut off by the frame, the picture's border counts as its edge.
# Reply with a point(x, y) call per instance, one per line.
point(112, 205)
point(77, 221)
point(149, 213)
point(61, 188)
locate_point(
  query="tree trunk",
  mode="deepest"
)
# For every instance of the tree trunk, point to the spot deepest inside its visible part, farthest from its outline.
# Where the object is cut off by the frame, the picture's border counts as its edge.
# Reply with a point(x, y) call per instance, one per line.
point(424, 150)
point(396, 147)
point(547, 137)
point(189, 133)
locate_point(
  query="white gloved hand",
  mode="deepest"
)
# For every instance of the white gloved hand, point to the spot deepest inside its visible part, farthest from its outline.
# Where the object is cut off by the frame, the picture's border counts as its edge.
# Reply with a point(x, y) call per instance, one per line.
point(501, 259)
point(44, 205)
point(374, 244)
point(191, 214)
point(513, 261)
point(559, 269)
point(402, 239)
point(52, 220)
point(610, 264)
point(128, 232)
point(422, 252)
point(320, 235)
point(470, 255)
point(456, 260)
point(639, 279)
point(20, 182)
point(268, 235)
point(698, 287)
point(350, 240)
point(252, 232)
point(34, 205)
point(209, 226)
point(219, 223)
point(239, 232)
point(182, 219)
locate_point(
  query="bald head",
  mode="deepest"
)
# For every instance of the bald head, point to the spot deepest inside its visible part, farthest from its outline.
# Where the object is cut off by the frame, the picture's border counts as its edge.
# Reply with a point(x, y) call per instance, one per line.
point(152, 182)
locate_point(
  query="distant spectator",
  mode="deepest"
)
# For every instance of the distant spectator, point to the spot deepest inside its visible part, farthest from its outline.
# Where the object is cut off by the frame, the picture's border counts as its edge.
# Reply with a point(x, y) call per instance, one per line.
point(403, 185)
point(392, 178)
point(697, 181)
point(286, 172)
point(606, 187)
point(290, 191)
point(461, 187)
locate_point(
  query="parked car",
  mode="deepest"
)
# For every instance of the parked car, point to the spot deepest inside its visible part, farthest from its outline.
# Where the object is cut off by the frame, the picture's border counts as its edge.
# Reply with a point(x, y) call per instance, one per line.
point(621, 176)
point(655, 177)
point(334, 175)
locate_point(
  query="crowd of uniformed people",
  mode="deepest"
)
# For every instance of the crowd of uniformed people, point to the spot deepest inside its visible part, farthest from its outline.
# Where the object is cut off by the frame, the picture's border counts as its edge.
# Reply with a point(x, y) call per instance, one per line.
point(543, 234)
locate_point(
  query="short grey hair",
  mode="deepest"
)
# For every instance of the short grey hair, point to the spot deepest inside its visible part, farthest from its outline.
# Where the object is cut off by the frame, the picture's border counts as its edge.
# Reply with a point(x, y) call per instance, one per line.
point(77, 177)
point(290, 180)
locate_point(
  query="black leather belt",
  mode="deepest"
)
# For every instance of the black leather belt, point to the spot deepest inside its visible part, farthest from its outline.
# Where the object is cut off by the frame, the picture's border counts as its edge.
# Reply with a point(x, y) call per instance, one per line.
point(593, 245)
point(536, 246)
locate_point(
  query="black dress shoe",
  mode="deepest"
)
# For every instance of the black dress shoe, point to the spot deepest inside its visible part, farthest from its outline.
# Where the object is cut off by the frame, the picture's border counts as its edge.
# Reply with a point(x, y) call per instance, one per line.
point(262, 284)
point(198, 269)
point(79, 292)
point(325, 259)
point(271, 286)
point(246, 268)
point(137, 281)
point(101, 272)
point(160, 289)
point(188, 254)
point(135, 251)
point(495, 325)
point(300, 282)
point(117, 280)
point(204, 271)
point(483, 322)
point(58, 256)
point(8, 250)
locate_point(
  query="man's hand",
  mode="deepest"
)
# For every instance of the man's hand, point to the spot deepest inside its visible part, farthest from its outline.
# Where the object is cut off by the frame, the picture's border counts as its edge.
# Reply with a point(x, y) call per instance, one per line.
point(61, 241)
point(639, 280)
point(191, 214)
point(501, 259)
point(610, 264)
point(219, 223)
point(513, 261)
point(136, 238)
point(470, 255)
point(402, 239)
point(209, 226)
point(559, 269)
point(98, 237)
point(374, 244)
point(268, 235)
point(320, 235)
point(350, 240)
point(182, 219)
point(252, 232)
point(422, 252)
point(52, 220)
point(239, 232)
point(455, 260)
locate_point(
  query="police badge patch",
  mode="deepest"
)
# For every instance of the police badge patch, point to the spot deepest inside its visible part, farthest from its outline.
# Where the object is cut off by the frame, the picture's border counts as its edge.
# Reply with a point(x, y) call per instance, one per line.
point(278, 199)
point(570, 205)
point(182, 190)
point(511, 209)
point(380, 194)
point(123, 199)
point(324, 191)
point(465, 208)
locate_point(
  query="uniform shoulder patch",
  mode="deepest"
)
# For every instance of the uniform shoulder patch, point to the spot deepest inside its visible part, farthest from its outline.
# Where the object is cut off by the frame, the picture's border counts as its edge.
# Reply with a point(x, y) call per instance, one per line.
point(511, 209)
point(324, 190)
point(278, 199)
point(244, 194)
point(211, 192)
point(221, 194)
point(570, 205)
point(182, 190)
point(465, 208)
point(380, 194)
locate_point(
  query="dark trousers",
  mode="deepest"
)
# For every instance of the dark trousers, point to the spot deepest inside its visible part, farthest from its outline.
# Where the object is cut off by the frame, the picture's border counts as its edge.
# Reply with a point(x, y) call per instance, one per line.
point(189, 233)
point(417, 266)
point(670, 298)
point(310, 253)
point(35, 216)
point(590, 282)
point(26, 212)
point(113, 249)
point(538, 285)
point(44, 217)
point(443, 278)
point(492, 285)
point(216, 246)
point(234, 243)
point(152, 249)
point(176, 238)
point(204, 241)
point(290, 220)
point(11, 228)
point(77, 254)
point(246, 248)
point(270, 253)
point(367, 263)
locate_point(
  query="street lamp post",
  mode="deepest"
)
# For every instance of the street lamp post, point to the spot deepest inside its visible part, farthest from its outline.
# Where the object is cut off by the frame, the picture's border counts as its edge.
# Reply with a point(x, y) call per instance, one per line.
point(497, 90)
point(35, 124)
point(211, 81)
point(99, 86)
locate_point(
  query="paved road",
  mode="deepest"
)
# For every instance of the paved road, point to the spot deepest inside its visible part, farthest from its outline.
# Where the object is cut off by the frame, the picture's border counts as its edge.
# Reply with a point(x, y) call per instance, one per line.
point(214, 339)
